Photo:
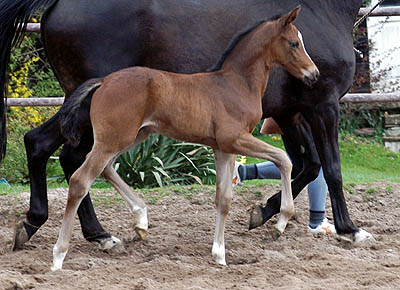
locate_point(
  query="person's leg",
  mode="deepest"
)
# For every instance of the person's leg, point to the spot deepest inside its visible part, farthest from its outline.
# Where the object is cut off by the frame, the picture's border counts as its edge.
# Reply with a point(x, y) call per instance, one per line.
point(317, 191)
point(263, 170)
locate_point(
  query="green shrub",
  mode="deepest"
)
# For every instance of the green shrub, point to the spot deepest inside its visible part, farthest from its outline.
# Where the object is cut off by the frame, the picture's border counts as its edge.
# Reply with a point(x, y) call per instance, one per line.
point(14, 167)
point(30, 75)
point(163, 161)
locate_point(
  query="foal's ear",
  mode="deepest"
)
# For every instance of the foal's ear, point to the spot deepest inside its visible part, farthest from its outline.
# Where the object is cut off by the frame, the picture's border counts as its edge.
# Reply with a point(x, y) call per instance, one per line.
point(290, 17)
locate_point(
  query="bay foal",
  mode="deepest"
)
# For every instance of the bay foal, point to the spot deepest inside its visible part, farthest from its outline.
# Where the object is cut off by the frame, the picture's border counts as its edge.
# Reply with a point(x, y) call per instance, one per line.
point(218, 108)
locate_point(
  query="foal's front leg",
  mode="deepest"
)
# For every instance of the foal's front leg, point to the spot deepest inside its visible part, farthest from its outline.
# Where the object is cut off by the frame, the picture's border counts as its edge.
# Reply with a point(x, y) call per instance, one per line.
point(248, 145)
point(224, 164)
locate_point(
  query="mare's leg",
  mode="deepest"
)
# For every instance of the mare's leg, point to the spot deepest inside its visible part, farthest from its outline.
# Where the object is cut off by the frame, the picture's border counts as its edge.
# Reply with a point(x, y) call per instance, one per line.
point(40, 143)
point(71, 159)
point(79, 185)
point(224, 164)
point(324, 125)
point(248, 145)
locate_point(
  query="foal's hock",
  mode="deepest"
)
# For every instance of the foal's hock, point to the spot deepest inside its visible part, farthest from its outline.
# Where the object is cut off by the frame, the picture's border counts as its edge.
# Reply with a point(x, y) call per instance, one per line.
point(219, 108)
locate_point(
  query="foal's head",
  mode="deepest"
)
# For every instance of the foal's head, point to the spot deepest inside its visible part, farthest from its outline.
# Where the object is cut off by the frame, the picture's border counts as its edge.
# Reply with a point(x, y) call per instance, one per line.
point(287, 49)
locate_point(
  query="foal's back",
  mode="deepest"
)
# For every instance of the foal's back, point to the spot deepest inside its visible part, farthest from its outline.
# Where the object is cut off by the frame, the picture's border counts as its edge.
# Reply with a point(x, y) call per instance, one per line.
point(182, 106)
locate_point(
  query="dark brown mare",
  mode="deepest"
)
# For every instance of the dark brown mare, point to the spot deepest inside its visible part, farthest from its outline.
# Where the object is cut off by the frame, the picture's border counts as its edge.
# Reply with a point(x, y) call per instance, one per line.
point(219, 109)
point(86, 39)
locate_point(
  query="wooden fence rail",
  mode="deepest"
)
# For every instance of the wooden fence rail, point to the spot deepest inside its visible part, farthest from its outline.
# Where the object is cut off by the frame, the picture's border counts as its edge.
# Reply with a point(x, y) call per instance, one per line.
point(371, 98)
point(384, 11)
point(349, 98)
point(30, 102)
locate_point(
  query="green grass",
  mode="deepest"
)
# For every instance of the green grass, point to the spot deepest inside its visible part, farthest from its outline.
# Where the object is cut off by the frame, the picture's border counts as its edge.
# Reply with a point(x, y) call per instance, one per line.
point(363, 160)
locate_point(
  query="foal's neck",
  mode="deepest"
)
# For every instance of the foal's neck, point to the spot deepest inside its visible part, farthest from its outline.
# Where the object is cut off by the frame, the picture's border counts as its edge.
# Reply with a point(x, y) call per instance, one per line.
point(251, 58)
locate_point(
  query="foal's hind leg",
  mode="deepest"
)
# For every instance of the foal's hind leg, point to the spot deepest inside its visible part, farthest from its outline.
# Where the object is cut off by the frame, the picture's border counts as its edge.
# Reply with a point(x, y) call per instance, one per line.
point(224, 164)
point(78, 188)
point(136, 204)
point(248, 145)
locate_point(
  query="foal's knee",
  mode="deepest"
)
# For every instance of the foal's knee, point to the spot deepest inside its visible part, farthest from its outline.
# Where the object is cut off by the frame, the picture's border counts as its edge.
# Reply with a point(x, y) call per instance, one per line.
point(284, 163)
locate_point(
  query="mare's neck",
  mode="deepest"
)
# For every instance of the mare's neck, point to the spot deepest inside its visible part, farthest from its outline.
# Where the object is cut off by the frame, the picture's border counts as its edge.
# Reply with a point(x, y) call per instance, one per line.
point(251, 60)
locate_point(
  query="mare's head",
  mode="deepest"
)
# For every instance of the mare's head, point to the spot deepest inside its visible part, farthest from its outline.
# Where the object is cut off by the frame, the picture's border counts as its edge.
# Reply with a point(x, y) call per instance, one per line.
point(287, 49)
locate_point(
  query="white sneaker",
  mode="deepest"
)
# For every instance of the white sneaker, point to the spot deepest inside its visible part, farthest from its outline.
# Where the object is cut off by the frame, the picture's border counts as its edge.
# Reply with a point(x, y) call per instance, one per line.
point(324, 228)
point(236, 178)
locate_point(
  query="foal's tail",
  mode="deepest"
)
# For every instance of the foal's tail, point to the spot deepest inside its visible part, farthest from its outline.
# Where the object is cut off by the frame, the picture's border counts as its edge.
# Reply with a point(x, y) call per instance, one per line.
point(74, 114)
point(14, 15)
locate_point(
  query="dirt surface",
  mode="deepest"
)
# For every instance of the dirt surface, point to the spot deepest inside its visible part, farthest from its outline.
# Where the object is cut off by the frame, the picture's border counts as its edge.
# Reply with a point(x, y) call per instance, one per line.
point(177, 254)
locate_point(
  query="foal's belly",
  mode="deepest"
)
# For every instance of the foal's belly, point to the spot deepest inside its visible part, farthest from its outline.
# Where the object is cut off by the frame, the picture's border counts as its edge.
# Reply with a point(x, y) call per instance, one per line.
point(186, 136)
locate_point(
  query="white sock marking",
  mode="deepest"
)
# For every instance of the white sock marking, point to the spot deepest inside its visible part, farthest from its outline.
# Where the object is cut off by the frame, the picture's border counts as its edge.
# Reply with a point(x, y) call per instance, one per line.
point(218, 252)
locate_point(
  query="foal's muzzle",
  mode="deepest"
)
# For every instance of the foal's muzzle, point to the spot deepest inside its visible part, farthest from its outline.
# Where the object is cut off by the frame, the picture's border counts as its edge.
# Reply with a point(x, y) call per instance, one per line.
point(311, 76)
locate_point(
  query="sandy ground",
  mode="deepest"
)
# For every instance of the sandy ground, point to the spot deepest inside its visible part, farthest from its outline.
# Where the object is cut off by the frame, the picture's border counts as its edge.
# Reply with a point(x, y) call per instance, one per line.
point(177, 254)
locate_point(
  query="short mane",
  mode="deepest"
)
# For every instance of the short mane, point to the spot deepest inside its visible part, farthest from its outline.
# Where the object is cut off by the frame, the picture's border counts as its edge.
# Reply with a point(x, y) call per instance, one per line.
point(235, 40)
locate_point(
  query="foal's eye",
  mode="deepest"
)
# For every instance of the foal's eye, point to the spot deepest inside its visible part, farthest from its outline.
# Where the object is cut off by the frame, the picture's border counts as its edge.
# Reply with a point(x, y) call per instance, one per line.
point(294, 44)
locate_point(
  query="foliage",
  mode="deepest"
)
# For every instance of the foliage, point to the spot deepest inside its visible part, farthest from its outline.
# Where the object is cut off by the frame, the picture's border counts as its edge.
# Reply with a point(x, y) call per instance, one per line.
point(30, 75)
point(14, 167)
point(354, 117)
point(163, 161)
point(366, 3)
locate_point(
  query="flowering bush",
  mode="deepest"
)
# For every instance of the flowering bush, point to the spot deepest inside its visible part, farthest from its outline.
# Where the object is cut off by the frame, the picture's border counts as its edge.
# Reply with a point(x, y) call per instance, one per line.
point(30, 75)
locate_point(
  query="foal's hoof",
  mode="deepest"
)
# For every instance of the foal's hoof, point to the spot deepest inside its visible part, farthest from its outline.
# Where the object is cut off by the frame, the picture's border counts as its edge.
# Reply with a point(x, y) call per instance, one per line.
point(276, 234)
point(110, 244)
point(256, 218)
point(20, 236)
point(141, 233)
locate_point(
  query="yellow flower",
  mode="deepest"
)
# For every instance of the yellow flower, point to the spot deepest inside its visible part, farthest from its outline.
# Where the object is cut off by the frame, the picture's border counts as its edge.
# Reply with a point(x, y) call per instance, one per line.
point(276, 138)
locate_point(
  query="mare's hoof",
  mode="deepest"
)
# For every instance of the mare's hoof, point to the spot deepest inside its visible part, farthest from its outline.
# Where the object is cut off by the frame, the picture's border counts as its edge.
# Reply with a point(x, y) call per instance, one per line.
point(359, 237)
point(363, 237)
point(20, 236)
point(110, 244)
point(141, 233)
point(256, 218)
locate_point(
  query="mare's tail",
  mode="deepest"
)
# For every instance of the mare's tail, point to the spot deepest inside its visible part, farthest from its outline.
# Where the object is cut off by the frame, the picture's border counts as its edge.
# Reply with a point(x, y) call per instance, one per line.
point(14, 15)
point(74, 115)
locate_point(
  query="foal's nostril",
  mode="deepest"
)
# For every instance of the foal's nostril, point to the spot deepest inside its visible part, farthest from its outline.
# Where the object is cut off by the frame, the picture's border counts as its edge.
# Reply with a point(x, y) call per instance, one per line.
point(316, 75)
